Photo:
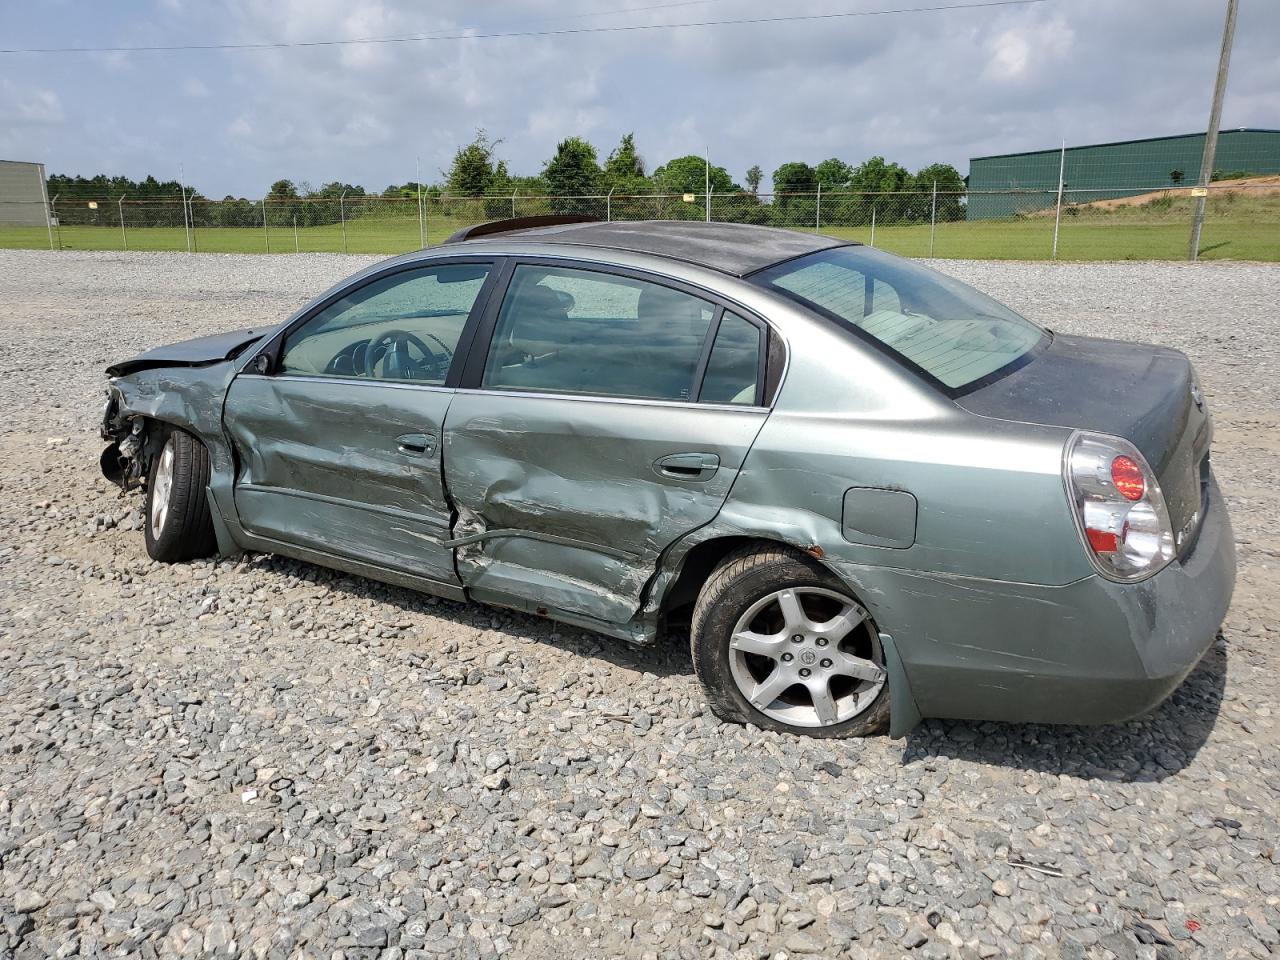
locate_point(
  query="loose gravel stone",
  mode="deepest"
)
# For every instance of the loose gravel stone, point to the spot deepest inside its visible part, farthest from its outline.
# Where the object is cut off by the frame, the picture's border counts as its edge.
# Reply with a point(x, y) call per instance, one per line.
point(255, 757)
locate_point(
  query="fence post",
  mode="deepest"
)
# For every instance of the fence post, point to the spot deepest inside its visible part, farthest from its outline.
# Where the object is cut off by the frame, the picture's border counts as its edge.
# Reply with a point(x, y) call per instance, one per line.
point(57, 224)
point(342, 215)
point(873, 225)
point(295, 233)
point(124, 237)
point(1057, 217)
point(933, 218)
point(265, 232)
point(608, 206)
point(513, 203)
point(817, 210)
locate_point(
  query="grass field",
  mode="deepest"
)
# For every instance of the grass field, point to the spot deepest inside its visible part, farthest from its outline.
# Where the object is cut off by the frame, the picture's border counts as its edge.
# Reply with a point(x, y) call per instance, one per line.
point(1150, 232)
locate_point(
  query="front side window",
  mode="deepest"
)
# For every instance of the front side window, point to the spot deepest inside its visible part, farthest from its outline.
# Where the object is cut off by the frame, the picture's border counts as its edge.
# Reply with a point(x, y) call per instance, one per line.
point(563, 330)
point(940, 326)
point(404, 326)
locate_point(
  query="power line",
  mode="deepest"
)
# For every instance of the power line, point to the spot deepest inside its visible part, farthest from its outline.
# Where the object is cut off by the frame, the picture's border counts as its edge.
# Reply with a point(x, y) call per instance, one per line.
point(427, 38)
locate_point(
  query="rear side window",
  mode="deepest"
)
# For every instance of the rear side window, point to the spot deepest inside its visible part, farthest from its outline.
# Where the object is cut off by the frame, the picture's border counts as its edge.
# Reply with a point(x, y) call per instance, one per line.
point(562, 330)
point(733, 369)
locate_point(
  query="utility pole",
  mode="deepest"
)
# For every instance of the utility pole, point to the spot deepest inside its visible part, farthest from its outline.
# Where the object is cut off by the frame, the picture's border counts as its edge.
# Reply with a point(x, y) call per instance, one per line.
point(186, 227)
point(422, 225)
point(1057, 217)
point(1211, 134)
point(708, 173)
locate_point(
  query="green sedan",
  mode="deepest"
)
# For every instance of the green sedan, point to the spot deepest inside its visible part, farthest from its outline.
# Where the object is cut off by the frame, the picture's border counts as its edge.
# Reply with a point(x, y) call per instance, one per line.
point(869, 493)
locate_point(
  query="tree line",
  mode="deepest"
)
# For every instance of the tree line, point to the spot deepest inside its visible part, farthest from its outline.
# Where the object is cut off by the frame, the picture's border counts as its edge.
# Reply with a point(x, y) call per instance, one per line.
point(478, 184)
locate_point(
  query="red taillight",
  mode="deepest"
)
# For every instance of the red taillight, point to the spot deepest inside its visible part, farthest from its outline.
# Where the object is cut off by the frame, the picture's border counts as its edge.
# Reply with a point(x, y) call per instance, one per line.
point(1101, 541)
point(1127, 476)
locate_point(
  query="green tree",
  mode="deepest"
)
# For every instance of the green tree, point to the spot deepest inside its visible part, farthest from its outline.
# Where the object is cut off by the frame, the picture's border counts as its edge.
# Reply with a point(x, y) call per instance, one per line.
point(951, 191)
point(880, 186)
point(283, 190)
point(833, 174)
point(795, 177)
point(789, 180)
point(688, 174)
point(471, 173)
point(572, 174)
point(754, 176)
point(624, 167)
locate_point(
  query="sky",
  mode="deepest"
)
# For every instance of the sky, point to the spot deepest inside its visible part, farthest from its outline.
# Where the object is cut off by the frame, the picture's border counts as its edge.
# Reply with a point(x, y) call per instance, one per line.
point(917, 88)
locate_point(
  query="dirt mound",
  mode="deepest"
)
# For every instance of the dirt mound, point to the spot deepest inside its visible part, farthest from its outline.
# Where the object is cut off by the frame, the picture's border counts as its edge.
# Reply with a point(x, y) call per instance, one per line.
point(1256, 186)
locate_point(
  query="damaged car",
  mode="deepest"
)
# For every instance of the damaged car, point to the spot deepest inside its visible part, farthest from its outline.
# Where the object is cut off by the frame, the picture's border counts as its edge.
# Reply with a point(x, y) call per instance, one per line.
point(870, 493)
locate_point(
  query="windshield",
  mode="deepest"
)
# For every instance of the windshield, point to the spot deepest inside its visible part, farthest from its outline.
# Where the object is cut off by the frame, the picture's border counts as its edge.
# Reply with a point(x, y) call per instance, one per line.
point(940, 326)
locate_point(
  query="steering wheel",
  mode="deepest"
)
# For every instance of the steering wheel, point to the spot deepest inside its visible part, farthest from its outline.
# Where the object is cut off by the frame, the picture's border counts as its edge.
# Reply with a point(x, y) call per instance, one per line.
point(391, 349)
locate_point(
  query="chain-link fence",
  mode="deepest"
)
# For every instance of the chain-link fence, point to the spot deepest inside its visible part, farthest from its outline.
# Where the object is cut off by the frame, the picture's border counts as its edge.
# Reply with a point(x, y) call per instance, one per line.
point(1104, 223)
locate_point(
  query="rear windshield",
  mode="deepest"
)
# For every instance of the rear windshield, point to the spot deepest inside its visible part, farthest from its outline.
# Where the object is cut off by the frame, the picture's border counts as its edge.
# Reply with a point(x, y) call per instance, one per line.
point(941, 327)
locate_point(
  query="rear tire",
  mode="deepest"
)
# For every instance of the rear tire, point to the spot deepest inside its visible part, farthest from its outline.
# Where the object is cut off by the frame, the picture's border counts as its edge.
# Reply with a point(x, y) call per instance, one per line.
point(178, 524)
point(817, 671)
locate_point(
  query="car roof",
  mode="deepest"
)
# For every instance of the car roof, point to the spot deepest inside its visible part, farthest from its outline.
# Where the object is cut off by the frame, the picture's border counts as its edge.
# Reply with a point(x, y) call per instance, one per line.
point(737, 249)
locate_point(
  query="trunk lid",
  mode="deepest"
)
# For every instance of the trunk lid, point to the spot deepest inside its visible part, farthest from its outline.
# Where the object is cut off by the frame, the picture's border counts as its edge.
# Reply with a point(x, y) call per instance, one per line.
point(1146, 394)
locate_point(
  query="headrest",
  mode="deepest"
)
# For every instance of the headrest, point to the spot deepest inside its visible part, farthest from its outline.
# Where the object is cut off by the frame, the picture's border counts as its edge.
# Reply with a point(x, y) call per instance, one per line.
point(659, 305)
point(543, 302)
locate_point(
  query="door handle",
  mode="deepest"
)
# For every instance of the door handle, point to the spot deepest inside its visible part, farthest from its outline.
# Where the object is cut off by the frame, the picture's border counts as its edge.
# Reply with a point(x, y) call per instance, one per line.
point(687, 466)
point(415, 444)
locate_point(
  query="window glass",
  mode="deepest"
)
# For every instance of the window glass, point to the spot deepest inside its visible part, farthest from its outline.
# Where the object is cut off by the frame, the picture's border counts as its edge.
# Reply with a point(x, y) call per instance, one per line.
point(402, 327)
point(734, 364)
point(939, 325)
point(579, 331)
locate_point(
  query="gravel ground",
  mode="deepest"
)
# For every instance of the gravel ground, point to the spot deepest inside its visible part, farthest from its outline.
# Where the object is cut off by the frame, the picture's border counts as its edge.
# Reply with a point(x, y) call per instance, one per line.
point(262, 758)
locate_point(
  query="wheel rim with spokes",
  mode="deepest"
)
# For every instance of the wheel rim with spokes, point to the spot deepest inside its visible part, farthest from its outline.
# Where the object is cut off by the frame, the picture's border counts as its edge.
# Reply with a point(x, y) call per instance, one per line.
point(162, 491)
point(807, 656)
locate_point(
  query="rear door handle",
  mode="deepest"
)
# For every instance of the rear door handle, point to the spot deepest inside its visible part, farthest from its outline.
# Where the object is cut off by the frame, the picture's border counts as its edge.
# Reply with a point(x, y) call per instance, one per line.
point(415, 444)
point(687, 466)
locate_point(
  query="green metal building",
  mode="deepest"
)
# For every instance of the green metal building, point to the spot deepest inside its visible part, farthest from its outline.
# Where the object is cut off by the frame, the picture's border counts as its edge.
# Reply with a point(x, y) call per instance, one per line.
point(1013, 183)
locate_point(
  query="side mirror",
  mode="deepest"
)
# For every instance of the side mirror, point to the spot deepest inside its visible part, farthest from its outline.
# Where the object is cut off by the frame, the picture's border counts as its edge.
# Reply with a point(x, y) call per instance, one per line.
point(261, 364)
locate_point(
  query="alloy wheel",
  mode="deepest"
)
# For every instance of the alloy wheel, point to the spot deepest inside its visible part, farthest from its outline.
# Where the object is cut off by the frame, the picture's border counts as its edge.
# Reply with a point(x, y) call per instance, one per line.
point(807, 656)
point(163, 490)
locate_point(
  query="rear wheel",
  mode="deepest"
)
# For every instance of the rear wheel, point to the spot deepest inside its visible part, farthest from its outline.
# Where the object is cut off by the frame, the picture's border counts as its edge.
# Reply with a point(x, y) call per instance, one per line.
point(178, 525)
point(780, 643)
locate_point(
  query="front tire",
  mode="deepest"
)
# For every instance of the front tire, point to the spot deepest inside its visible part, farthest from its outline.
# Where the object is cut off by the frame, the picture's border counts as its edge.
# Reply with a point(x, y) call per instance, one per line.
point(780, 643)
point(178, 525)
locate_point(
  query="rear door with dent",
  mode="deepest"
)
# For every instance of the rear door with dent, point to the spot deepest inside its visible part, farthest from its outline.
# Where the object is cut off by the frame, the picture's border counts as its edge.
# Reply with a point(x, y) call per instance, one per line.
point(604, 413)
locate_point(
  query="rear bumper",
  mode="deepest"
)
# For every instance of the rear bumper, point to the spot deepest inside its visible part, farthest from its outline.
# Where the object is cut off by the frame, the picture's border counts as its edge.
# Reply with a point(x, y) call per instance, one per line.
point(1089, 652)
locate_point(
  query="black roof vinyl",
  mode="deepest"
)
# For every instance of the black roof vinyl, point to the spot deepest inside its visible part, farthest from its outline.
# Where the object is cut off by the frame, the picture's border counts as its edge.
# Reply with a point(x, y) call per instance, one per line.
point(733, 248)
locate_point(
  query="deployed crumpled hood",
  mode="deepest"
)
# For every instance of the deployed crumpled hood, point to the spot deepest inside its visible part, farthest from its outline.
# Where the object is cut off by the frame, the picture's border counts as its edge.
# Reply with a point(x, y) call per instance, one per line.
point(189, 353)
point(1132, 390)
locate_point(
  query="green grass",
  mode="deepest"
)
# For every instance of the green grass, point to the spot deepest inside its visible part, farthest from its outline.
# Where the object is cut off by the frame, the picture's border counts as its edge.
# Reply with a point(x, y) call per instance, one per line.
point(1151, 232)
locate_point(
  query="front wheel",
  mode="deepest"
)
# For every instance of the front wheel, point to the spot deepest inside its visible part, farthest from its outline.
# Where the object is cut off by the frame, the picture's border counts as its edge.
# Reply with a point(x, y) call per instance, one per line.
point(178, 525)
point(780, 643)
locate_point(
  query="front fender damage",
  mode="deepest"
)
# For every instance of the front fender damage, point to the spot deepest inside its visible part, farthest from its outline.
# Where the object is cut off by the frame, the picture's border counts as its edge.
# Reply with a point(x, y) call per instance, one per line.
point(143, 406)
